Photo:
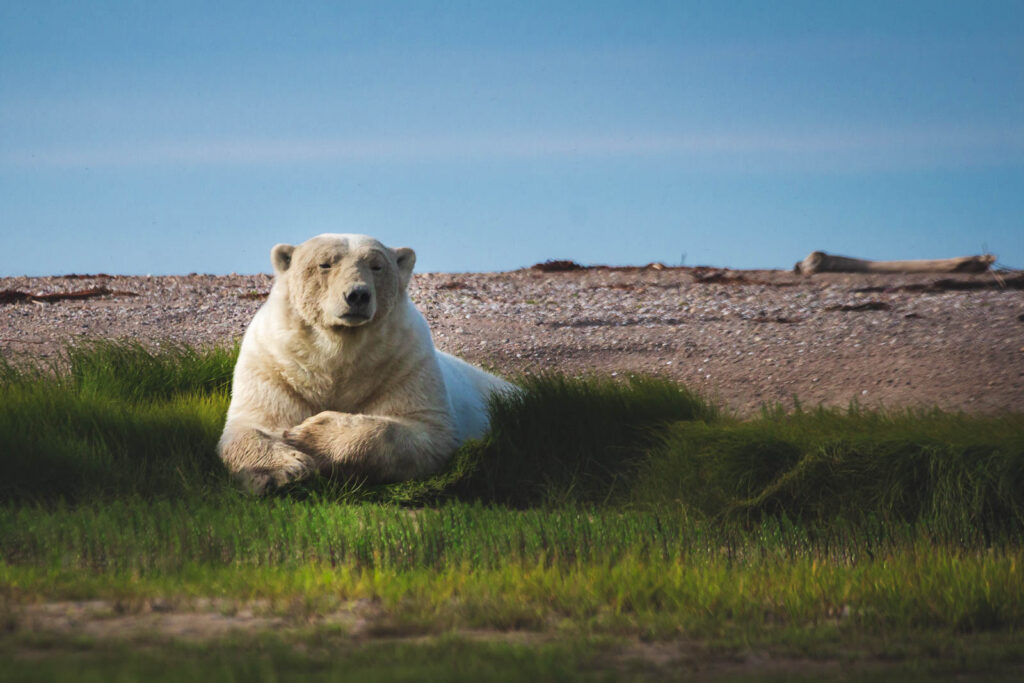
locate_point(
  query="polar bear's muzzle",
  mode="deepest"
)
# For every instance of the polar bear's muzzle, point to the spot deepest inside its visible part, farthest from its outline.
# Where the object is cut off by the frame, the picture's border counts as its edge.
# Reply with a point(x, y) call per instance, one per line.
point(359, 307)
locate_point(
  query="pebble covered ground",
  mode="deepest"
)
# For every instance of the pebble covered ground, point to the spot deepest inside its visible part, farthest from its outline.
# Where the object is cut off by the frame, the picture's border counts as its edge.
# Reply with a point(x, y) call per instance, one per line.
point(744, 338)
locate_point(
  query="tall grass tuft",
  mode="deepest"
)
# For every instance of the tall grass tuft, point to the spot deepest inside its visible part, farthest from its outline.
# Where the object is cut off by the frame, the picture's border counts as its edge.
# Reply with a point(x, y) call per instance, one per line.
point(567, 440)
point(131, 371)
point(113, 419)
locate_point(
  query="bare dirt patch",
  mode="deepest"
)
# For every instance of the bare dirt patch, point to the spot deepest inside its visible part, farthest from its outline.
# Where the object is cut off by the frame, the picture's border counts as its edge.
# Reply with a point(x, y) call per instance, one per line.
point(103, 620)
point(200, 621)
point(49, 629)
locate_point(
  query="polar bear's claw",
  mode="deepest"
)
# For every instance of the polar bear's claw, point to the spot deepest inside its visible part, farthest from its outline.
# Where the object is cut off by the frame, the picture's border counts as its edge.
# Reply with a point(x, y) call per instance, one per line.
point(293, 466)
point(289, 466)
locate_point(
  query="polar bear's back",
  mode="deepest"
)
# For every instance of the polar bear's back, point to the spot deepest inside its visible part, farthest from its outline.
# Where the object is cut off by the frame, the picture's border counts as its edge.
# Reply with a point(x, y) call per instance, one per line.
point(469, 389)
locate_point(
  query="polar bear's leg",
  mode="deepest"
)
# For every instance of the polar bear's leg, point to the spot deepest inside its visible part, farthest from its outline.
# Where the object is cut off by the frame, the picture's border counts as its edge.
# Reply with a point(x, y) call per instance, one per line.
point(261, 462)
point(378, 447)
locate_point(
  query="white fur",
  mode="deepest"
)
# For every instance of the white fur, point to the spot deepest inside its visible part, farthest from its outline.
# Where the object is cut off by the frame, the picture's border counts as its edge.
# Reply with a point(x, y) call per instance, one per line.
point(468, 389)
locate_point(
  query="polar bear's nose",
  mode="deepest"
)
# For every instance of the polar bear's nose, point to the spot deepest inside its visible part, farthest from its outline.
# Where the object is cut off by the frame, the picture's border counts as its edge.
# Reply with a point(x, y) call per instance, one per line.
point(358, 296)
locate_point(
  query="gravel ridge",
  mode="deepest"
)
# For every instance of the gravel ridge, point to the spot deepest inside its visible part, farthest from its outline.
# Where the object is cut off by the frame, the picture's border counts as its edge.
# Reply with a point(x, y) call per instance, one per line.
point(744, 338)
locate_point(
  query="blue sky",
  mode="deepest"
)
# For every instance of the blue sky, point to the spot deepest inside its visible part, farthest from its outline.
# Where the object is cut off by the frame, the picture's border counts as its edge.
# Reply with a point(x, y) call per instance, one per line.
point(177, 137)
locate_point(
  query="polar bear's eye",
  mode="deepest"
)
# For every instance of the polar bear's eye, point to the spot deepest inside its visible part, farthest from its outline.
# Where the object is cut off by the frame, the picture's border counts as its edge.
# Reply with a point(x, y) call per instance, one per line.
point(376, 267)
point(325, 265)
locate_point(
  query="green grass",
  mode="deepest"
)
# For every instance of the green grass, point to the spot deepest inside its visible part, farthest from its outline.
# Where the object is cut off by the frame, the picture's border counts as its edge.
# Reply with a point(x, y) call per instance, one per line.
point(465, 567)
point(593, 508)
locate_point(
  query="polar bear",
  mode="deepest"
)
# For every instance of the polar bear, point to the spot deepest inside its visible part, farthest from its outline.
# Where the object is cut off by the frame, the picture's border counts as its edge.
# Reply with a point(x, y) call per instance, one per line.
point(338, 373)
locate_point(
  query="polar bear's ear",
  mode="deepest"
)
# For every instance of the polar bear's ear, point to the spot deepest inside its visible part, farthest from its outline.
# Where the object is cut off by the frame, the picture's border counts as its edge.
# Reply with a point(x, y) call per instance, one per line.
point(406, 259)
point(281, 257)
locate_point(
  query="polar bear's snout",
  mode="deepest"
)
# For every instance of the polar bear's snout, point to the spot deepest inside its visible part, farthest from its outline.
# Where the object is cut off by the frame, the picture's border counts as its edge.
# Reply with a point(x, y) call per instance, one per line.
point(358, 297)
point(358, 307)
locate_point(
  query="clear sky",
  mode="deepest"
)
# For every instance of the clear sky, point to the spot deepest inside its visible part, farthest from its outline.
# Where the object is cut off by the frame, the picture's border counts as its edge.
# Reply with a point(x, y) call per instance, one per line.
point(171, 137)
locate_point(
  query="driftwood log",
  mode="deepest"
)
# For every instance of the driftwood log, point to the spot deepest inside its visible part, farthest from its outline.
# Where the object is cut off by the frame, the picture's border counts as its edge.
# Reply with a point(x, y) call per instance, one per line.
point(820, 262)
point(12, 296)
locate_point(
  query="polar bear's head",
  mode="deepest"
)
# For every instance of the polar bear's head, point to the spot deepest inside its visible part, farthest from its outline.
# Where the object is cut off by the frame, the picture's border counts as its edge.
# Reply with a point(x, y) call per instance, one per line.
point(342, 281)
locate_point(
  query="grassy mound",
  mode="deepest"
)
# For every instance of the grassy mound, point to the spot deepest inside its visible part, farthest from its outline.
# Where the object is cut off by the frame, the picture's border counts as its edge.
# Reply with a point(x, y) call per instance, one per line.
point(962, 474)
point(115, 420)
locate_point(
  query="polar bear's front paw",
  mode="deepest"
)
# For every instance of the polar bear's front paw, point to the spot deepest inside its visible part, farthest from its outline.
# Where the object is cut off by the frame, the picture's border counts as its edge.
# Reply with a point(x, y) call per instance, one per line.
point(324, 434)
point(287, 465)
